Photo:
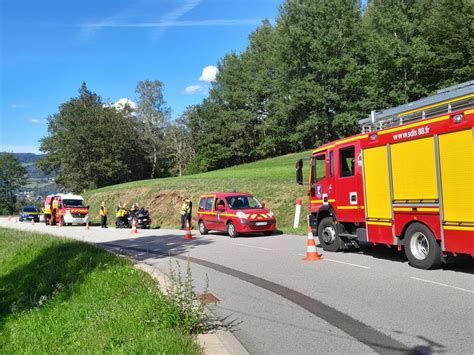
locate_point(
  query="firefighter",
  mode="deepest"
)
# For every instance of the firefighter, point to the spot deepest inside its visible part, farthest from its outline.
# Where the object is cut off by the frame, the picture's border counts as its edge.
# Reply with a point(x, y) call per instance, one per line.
point(55, 210)
point(103, 215)
point(118, 215)
point(189, 211)
point(47, 213)
point(184, 213)
point(134, 208)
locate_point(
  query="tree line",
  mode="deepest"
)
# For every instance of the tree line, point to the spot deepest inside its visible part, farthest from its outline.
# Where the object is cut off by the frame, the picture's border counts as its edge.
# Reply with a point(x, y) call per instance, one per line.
point(301, 81)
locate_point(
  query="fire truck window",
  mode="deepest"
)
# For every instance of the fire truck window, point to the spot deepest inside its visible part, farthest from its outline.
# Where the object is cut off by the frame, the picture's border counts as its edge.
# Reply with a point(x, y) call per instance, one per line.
point(320, 167)
point(346, 160)
point(331, 163)
point(209, 203)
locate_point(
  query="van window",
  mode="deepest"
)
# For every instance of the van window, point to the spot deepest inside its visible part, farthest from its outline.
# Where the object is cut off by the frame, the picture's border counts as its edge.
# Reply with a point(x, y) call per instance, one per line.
point(202, 203)
point(346, 161)
point(209, 203)
point(219, 201)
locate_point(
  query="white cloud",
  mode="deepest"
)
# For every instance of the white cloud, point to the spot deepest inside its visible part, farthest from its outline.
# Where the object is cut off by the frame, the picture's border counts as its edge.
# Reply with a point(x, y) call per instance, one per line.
point(15, 106)
point(172, 23)
point(121, 103)
point(192, 89)
point(37, 120)
point(209, 73)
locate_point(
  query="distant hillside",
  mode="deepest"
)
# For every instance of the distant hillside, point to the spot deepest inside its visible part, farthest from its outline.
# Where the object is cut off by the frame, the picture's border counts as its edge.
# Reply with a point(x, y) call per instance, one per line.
point(28, 157)
point(272, 181)
point(39, 183)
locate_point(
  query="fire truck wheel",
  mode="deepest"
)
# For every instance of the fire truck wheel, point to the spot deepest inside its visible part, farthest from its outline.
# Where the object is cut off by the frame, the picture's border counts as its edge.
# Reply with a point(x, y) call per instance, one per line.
point(327, 234)
point(421, 247)
point(231, 230)
point(202, 228)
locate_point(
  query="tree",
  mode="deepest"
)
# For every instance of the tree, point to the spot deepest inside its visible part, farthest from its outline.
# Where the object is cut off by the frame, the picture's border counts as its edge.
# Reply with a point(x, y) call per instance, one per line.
point(12, 178)
point(153, 112)
point(318, 42)
point(179, 141)
point(92, 145)
point(398, 54)
point(451, 42)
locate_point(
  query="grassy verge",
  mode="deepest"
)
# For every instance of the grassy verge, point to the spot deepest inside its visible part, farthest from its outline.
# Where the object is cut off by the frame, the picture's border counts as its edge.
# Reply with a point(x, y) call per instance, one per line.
point(63, 296)
point(272, 181)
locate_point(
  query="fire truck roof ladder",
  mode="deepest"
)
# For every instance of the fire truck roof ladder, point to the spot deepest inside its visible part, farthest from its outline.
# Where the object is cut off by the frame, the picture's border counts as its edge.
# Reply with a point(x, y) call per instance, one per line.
point(444, 101)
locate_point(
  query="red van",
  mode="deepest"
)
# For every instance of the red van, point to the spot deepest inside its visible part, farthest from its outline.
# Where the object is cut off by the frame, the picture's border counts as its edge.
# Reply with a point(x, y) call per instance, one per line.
point(235, 213)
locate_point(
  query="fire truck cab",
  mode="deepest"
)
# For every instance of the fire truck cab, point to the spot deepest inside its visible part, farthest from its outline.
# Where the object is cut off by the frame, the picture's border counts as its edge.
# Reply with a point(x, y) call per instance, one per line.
point(406, 180)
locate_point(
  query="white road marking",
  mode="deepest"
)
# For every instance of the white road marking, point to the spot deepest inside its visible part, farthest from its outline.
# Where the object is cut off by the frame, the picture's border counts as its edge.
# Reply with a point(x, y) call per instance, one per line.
point(251, 246)
point(342, 262)
point(444, 285)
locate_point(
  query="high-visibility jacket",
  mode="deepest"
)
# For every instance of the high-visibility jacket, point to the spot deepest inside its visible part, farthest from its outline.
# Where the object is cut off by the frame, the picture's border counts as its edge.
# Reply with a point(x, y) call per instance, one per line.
point(184, 208)
point(103, 211)
point(47, 209)
point(55, 204)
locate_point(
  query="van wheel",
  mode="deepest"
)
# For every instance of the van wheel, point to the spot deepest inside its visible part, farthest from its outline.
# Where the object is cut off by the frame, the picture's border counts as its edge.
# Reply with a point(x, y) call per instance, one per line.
point(231, 230)
point(421, 247)
point(327, 233)
point(202, 228)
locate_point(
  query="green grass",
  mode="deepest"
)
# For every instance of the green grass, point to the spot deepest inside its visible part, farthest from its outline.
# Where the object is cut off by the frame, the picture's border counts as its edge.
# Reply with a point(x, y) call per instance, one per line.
point(271, 181)
point(62, 296)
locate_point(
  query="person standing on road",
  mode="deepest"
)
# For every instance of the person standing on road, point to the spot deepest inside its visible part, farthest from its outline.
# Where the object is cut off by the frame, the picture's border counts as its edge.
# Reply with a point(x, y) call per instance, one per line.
point(103, 215)
point(54, 211)
point(189, 211)
point(183, 212)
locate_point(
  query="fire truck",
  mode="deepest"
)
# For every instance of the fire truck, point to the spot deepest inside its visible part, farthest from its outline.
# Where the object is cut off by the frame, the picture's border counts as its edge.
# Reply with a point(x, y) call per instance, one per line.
point(406, 180)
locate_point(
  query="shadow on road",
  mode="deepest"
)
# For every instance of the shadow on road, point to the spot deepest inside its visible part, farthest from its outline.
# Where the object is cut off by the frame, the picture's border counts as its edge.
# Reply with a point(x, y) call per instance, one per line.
point(142, 248)
point(464, 264)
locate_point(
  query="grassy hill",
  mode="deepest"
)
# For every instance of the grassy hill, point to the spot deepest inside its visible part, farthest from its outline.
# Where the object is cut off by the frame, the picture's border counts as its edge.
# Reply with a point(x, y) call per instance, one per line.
point(272, 181)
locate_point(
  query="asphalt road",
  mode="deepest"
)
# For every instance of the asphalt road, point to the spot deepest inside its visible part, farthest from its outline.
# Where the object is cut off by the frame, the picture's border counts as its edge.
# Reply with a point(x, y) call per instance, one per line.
point(275, 303)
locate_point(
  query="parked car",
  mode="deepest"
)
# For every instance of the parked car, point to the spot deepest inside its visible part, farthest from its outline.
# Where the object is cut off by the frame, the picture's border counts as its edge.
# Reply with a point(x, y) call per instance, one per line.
point(29, 213)
point(235, 213)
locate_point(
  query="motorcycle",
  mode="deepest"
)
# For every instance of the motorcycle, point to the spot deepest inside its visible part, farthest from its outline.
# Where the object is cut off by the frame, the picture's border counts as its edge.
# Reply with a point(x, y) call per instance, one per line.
point(141, 217)
point(123, 222)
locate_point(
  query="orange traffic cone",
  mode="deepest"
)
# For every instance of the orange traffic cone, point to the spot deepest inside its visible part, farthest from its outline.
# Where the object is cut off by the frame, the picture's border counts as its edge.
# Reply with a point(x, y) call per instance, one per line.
point(187, 234)
point(134, 227)
point(311, 251)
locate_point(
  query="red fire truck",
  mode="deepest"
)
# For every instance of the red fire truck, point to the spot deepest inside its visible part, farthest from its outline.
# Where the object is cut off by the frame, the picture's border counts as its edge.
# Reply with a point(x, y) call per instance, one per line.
point(407, 180)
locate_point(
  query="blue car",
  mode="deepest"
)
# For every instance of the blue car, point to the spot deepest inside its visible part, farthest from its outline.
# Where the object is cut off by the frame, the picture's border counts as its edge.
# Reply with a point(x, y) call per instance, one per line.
point(29, 213)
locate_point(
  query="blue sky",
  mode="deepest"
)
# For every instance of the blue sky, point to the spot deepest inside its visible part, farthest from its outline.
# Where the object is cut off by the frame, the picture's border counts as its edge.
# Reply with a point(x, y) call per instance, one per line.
point(47, 48)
